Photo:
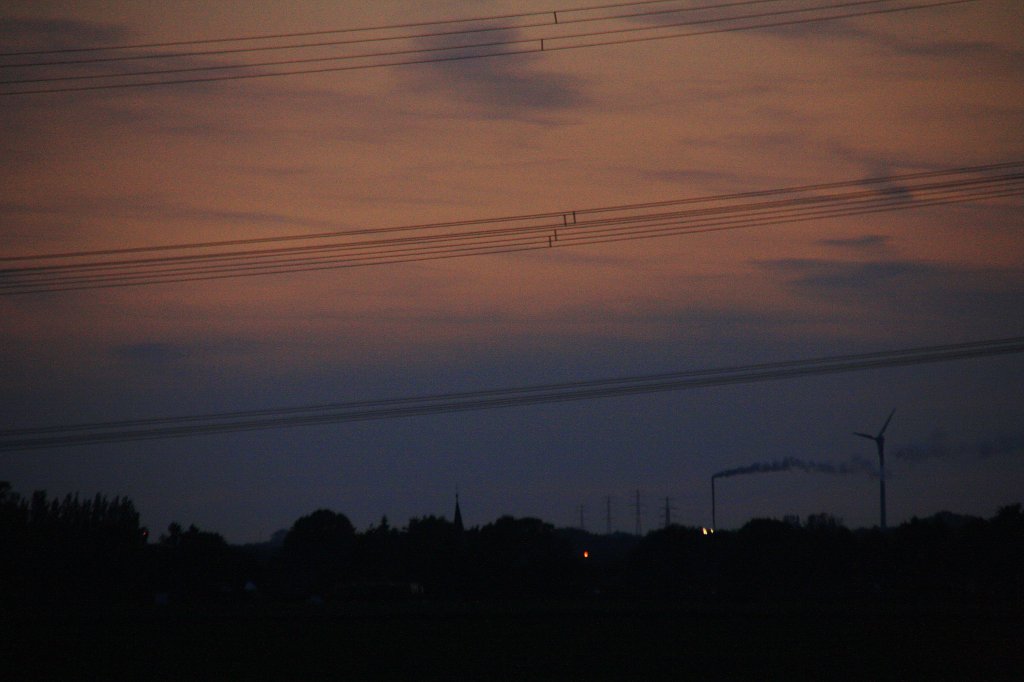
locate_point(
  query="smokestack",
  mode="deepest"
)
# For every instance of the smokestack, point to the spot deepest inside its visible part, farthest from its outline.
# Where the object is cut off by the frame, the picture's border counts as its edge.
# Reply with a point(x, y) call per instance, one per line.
point(713, 524)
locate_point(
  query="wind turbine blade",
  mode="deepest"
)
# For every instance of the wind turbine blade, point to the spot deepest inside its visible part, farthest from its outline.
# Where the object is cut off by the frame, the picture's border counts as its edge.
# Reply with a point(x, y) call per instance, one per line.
point(864, 435)
point(886, 424)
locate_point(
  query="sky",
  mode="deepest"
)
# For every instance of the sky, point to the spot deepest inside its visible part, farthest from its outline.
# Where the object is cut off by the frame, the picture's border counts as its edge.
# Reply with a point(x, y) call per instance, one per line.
point(886, 94)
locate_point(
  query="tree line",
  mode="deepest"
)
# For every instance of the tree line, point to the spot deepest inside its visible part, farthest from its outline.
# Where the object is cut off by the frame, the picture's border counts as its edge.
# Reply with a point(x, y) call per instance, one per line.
point(94, 549)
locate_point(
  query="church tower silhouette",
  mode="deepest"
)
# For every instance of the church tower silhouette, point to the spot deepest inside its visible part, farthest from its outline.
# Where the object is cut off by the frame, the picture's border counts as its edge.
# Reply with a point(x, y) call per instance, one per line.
point(458, 514)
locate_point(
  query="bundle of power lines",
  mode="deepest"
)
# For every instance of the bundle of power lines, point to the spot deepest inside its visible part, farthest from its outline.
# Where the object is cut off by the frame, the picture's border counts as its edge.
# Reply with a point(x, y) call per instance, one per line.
point(355, 248)
point(36, 71)
point(366, 410)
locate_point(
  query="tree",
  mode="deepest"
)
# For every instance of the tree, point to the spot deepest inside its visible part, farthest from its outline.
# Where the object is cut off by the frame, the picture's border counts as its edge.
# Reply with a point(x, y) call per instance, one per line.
point(67, 548)
point(194, 564)
point(523, 557)
point(318, 552)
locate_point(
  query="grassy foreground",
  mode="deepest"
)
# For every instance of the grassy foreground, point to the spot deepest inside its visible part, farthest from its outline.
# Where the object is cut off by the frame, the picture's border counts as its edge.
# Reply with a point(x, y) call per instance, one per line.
point(421, 641)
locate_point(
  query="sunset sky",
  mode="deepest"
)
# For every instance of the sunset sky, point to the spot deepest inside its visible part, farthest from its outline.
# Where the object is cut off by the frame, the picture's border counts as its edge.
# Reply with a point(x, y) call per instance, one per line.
point(889, 93)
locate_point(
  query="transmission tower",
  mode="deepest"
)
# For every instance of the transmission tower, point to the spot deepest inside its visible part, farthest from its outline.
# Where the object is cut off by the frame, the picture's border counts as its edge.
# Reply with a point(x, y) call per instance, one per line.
point(668, 511)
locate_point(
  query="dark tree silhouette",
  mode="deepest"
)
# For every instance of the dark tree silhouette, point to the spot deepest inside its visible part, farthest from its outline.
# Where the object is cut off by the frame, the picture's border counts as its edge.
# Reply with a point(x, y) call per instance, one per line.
point(68, 549)
point(193, 565)
point(434, 555)
point(73, 548)
point(378, 555)
point(524, 557)
point(318, 553)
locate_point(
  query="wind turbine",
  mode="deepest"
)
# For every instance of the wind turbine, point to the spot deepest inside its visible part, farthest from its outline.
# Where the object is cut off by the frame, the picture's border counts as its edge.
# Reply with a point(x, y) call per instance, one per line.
point(880, 443)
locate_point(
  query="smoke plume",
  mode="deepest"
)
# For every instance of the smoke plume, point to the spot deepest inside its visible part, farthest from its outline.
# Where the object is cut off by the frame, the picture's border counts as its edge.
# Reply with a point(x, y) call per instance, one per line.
point(854, 465)
point(940, 445)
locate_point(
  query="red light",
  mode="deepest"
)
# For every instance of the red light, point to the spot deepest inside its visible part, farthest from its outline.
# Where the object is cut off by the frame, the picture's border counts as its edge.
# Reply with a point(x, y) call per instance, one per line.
point(586, 554)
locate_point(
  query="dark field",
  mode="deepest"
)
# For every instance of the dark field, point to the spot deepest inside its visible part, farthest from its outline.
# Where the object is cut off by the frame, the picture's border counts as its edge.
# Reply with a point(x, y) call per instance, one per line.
point(537, 641)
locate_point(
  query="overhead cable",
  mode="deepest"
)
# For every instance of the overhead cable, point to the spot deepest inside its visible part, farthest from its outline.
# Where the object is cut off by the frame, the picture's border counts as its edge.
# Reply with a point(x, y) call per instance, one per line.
point(46, 437)
point(438, 47)
point(200, 261)
point(480, 25)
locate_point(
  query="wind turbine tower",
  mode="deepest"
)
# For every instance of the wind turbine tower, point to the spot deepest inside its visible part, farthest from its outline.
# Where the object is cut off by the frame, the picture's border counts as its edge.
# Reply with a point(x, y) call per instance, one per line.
point(880, 444)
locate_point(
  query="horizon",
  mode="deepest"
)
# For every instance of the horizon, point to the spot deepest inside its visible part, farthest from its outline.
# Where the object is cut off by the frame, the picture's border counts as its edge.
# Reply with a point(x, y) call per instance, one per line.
point(155, 534)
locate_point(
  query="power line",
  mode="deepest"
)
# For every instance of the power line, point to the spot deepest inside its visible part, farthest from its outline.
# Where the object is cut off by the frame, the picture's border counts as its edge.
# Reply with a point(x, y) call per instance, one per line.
point(418, 24)
point(552, 43)
point(874, 180)
point(39, 279)
point(273, 418)
point(547, 18)
point(478, 50)
point(41, 273)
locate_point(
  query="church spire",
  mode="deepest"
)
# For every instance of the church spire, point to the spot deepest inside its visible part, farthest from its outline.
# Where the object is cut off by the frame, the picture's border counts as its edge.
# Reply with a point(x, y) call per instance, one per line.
point(458, 513)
